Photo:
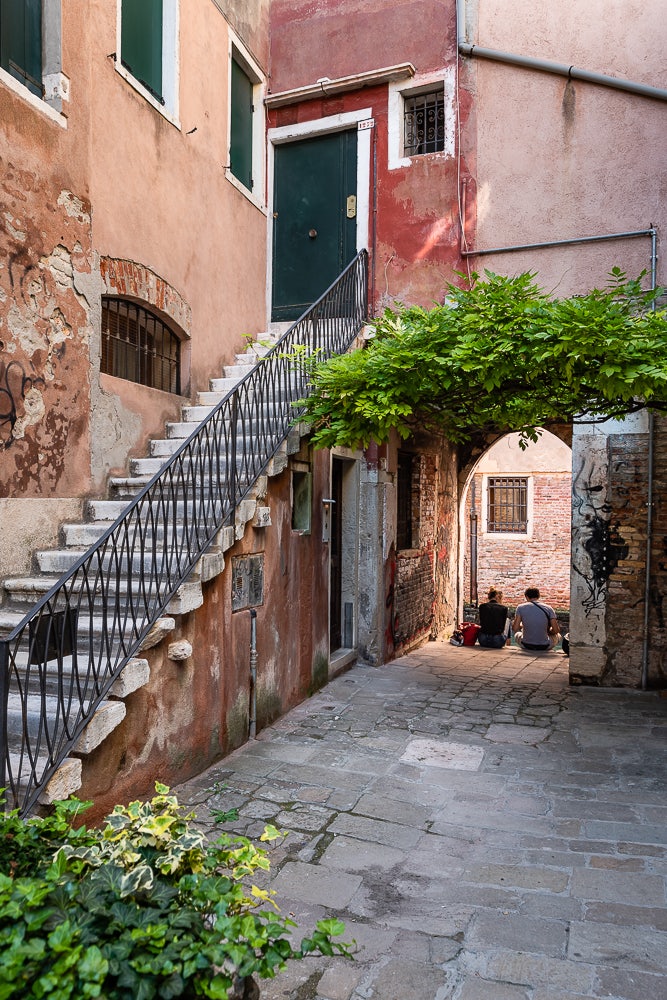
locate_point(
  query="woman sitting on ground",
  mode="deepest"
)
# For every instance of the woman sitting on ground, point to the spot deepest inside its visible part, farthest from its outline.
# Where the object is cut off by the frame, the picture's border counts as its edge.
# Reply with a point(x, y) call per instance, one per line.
point(493, 621)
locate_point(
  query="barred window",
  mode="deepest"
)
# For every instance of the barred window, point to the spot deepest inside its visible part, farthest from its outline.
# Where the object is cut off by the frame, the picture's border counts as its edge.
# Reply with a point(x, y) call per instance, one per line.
point(138, 346)
point(507, 499)
point(424, 123)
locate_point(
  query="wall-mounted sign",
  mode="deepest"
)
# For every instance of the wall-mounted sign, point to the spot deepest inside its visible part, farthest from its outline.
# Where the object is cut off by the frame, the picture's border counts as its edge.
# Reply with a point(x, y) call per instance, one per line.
point(368, 123)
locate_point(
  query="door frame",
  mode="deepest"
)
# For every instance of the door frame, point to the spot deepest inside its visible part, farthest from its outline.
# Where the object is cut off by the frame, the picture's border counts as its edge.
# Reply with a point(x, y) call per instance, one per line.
point(307, 130)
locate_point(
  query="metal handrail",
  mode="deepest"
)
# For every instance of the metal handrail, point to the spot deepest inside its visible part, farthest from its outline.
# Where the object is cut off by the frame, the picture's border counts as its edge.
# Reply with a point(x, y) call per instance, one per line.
point(59, 662)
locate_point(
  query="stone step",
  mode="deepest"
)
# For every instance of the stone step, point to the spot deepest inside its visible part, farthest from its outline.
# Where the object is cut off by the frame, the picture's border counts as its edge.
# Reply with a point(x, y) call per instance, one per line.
point(238, 371)
point(104, 510)
point(65, 782)
point(59, 675)
point(25, 714)
point(128, 486)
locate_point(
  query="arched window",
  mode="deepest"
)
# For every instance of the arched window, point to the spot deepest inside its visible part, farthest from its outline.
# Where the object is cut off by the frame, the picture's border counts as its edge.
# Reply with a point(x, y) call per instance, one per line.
point(138, 346)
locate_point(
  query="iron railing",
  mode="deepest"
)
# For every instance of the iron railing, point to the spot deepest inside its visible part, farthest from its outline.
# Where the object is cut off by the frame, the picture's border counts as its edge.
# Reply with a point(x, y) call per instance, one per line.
point(59, 662)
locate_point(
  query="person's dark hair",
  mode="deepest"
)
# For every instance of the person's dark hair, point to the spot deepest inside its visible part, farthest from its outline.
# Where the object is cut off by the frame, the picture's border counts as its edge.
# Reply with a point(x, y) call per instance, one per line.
point(532, 593)
point(493, 593)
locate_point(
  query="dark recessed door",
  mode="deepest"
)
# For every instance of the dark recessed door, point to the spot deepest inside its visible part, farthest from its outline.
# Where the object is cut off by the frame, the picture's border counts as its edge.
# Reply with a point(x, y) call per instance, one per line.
point(314, 225)
point(335, 556)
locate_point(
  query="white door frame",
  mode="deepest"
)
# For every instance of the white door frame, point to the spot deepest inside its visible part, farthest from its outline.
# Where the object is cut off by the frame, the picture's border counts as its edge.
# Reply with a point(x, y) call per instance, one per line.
point(306, 130)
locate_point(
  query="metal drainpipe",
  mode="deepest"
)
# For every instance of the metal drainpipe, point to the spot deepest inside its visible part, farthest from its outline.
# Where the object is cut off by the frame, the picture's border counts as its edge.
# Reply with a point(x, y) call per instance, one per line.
point(252, 727)
point(545, 66)
point(473, 544)
point(649, 502)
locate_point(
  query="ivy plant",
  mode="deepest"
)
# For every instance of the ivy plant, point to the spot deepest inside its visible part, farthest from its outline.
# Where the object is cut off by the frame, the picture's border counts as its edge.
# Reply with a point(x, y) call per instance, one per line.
point(498, 355)
point(143, 907)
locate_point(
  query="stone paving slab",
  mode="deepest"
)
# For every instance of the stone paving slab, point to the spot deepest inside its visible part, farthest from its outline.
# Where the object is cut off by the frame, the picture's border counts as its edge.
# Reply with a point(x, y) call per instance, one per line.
point(485, 831)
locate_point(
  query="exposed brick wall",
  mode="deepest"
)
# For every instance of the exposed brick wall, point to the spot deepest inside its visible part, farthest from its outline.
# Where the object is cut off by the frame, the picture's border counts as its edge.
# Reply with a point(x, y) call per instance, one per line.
point(414, 588)
point(542, 560)
point(626, 552)
point(127, 279)
point(415, 596)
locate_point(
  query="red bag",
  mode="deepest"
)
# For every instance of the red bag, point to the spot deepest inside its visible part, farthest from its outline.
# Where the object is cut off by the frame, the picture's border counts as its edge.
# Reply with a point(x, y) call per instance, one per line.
point(470, 631)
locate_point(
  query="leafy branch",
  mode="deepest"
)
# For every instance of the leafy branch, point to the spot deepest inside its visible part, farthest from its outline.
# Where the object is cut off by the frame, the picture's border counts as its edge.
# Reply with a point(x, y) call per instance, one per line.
point(498, 355)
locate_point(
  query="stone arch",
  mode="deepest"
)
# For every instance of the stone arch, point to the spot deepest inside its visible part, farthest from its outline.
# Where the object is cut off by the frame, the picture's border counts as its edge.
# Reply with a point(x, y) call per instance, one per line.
point(138, 283)
point(537, 550)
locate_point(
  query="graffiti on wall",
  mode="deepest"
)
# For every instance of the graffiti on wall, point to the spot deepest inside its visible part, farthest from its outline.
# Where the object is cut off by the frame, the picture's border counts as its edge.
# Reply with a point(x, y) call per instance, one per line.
point(19, 396)
point(598, 546)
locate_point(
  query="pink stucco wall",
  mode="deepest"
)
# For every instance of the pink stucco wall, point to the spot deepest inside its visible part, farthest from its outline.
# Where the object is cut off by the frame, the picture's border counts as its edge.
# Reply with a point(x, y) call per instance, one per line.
point(112, 177)
point(559, 159)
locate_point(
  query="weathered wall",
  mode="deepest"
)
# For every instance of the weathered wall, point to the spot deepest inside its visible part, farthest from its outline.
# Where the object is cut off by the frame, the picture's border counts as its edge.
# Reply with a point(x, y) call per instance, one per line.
point(113, 178)
point(559, 159)
point(341, 37)
point(193, 712)
point(414, 226)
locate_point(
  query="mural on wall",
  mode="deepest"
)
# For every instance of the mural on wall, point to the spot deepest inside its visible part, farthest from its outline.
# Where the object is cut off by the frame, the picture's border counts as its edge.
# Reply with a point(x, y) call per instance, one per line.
point(20, 402)
point(598, 546)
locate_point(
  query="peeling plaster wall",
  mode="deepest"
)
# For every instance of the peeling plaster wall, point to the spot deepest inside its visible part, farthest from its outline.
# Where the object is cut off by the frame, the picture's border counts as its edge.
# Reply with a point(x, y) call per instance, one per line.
point(195, 711)
point(609, 523)
point(44, 337)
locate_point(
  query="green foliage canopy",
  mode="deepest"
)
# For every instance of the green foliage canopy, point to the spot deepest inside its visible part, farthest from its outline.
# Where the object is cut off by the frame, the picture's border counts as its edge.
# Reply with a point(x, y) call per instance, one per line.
point(499, 355)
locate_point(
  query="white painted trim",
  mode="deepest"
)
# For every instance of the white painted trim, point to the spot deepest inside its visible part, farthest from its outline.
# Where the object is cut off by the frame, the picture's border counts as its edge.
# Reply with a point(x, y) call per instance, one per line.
point(397, 93)
point(170, 62)
point(258, 79)
point(35, 102)
point(323, 126)
point(509, 536)
point(325, 87)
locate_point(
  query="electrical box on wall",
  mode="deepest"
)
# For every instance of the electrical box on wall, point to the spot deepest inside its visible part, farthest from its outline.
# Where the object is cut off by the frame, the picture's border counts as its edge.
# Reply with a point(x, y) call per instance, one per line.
point(247, 581)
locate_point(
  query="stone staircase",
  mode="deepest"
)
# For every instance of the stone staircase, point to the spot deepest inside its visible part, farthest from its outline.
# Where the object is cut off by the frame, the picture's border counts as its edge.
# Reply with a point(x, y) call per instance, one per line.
point(20, 594)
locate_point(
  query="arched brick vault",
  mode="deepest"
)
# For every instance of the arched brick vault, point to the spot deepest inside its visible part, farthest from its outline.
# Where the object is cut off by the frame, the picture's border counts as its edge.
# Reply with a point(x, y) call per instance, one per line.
point(470, 452)
point(130, 280)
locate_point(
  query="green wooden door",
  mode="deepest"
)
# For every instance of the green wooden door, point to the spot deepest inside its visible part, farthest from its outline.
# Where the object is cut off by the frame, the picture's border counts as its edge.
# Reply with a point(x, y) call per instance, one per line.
point(314, 225)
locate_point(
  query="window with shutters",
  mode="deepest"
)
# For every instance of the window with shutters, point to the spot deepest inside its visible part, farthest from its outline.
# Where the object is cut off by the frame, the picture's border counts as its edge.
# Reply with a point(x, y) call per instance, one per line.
point(138, 346)
point(21, 42)
point(240, 140)
point(246, 124)
point(148, 56)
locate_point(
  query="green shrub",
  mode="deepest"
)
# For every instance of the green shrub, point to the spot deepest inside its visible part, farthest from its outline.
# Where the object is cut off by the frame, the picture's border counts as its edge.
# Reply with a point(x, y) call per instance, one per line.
point(143, 907)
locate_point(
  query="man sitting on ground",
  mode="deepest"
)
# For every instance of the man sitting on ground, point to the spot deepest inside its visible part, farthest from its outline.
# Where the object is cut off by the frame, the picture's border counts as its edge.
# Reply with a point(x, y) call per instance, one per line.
point(535, 625)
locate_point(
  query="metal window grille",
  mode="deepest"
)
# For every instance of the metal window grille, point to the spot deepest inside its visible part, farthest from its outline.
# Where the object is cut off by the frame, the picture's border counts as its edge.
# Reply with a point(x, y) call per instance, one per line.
point(424, 123)
point(507, 505)
point(404, 501)
point(138, 346)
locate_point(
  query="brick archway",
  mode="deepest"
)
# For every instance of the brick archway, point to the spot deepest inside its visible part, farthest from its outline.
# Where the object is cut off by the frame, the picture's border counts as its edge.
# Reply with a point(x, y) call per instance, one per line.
point(127, 279)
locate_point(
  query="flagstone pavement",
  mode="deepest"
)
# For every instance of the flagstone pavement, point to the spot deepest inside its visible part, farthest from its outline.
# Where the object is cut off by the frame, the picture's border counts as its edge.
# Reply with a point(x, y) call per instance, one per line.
point(484, 830)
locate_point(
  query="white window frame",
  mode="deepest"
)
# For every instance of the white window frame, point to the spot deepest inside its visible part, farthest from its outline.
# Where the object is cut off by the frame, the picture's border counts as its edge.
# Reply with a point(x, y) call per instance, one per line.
point(507, 535)
point(399, 92)
point(54, 81)
point(239, 54)
point(170, 62)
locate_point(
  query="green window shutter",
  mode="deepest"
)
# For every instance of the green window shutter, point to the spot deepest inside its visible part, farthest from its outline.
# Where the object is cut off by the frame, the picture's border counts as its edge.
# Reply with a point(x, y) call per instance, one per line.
point(21, 41)
point(241, 126)
point(141, 42)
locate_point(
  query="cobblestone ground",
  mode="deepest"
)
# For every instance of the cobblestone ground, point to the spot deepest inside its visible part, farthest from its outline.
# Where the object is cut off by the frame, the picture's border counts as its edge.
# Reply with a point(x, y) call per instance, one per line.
point(485, 831)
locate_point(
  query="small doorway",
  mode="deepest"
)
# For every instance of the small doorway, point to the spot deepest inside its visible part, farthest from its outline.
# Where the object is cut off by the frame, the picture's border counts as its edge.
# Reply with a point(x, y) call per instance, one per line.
point(314, 218)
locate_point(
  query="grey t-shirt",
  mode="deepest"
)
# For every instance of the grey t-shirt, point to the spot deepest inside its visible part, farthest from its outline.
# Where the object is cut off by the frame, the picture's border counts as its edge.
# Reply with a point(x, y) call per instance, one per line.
point(535, 622)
